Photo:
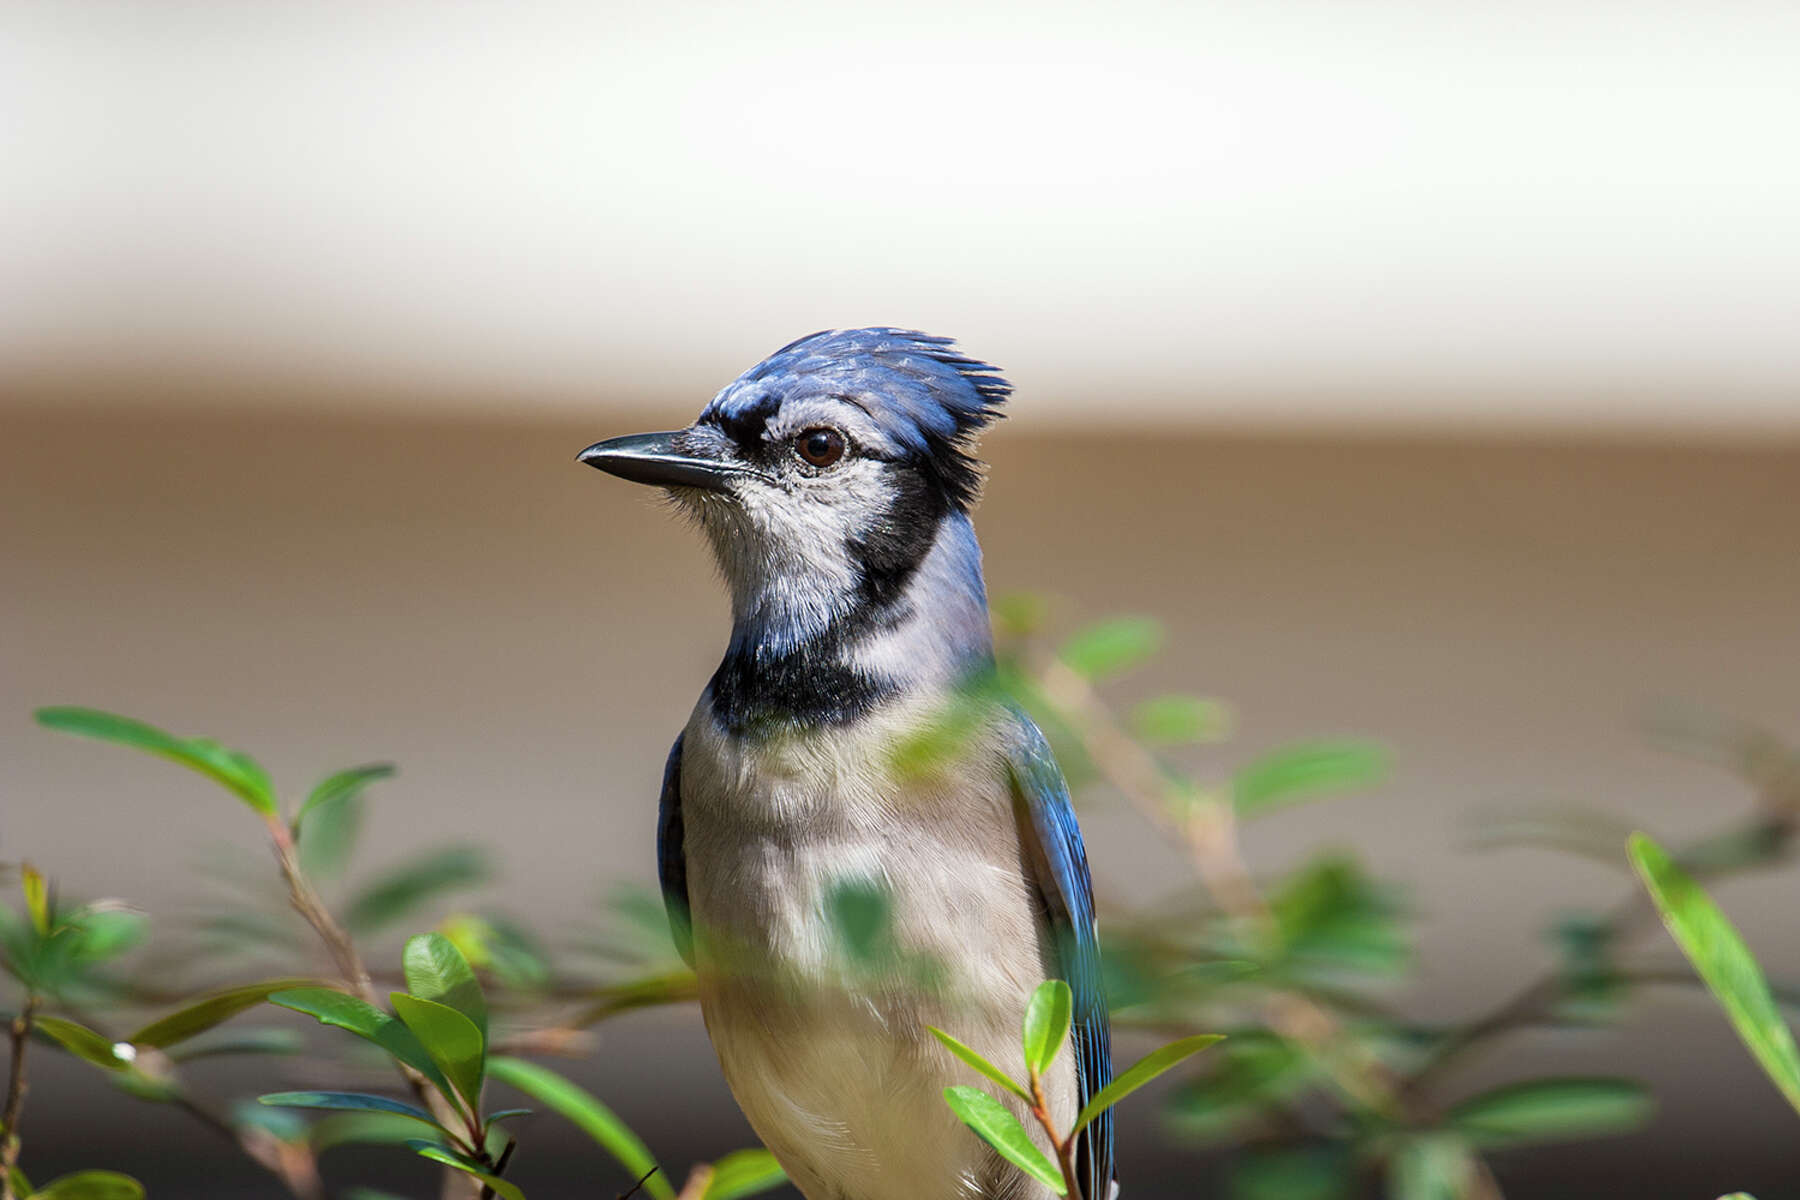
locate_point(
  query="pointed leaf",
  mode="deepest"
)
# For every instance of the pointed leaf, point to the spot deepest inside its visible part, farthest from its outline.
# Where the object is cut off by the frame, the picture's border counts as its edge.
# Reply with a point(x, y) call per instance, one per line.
point(980, 1064)
point(1111, 648)
point(239, 1041)
point(363, 1128)
point(744, 1173)
point(1720, 957)
point(238, 772)
point(436, 970)
point(343, 785)
point(994, 1123)
point(585, 1110)
point(327, 825)
point(349, 1102)
point(37, 898)
point(451, 1039)
point(1298, 771)
point(412, 883)
point(1176, 720)
point(91, 1185)
point(21, 1186)
point(197, 1018)
point(1544, 1110)
point(502, 1188)
point(1142, 1072)
point(82, 1042)
point(330, 1007)
point(1046, 1026)
point(508, 1113)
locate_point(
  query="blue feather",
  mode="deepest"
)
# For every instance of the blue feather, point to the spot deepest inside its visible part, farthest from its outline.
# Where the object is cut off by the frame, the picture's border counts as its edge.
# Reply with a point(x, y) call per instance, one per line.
point(1053, 841)
point(928, 399)
point(671, 857)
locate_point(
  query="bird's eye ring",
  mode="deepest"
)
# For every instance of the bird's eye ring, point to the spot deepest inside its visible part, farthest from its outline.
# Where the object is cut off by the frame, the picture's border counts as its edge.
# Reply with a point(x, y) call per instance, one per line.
point(820, 447)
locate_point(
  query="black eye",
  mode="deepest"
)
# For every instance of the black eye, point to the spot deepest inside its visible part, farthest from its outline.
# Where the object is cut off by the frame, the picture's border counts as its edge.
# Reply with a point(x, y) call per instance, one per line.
point(820, 447)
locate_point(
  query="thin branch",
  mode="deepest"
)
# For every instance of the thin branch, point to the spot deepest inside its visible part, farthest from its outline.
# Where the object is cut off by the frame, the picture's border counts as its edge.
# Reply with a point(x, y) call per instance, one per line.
point(16, 1087)
point(698, 1180)
point(1064, 1147)
point(338, 943)
point(645, 1178)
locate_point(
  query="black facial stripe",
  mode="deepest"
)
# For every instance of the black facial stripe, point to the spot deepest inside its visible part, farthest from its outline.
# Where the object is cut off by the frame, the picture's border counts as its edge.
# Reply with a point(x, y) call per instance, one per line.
point(891, 551)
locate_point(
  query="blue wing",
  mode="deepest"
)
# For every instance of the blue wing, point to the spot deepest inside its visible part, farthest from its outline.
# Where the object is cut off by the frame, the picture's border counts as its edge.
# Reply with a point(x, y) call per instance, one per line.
point(671, 856)
point(1053, 844)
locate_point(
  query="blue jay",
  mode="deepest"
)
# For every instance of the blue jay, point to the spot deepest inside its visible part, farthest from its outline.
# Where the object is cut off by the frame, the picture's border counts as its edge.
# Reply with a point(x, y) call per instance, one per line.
point(834, 482)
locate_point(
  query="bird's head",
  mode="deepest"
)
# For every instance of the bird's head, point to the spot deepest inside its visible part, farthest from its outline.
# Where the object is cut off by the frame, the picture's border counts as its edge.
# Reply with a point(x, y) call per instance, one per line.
point(825, 475)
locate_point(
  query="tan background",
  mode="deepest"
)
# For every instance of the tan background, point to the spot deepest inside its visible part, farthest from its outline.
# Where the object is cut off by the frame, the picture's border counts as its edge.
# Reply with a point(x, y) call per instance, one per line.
point(524, 636)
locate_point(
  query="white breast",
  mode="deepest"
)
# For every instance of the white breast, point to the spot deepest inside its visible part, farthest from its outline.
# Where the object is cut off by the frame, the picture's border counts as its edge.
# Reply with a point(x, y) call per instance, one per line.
point(828, 1053)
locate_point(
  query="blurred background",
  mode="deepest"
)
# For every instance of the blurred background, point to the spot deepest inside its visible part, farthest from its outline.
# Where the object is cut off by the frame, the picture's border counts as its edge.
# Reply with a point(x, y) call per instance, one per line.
point(1429, 371)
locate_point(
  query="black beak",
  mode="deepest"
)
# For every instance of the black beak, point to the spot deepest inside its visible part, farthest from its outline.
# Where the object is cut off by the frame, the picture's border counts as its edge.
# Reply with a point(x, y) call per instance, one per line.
point(652, 458)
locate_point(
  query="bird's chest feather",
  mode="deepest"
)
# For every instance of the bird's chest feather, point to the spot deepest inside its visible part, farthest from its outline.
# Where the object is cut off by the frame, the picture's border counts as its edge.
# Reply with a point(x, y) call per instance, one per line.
point(796, 841)
point(818, 1001)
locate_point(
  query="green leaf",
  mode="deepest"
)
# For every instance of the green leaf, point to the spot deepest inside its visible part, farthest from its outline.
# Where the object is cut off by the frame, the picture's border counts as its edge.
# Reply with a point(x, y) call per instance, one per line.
point(994, 1123)
point(862, 915)
point(439, 1154)
point(502, 946)
point(436, 970)
point(21, 1186)
point(1544, 1110)
point(1722, 960)
point(239, 1041)
point(278, 1123)
point(372, 1128)
point(37, 898)
point(327, 824)
point(349, 1102)
point(744, 1173)
point(1435, 1166)
point(204, 1014)
point(980, 1064)
point(1331, 914)
point(104, 931)
point(1303, 770)
point(586, 1111)
point(236, 771)
point(1177, 720)
point(342, 785)
point(330, 1007)
point(1294, 1173)
point(1020, 614)
point(1046, 1025)
point(1142, 1072)
point(82, 1042)
point(406, 887)
point(1110, 648)
point(91, 1185)
point(451, 1039)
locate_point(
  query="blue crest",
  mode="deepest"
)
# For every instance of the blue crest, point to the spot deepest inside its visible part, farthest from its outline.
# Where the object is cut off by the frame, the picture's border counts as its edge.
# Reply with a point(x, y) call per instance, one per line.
point(927, 397)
